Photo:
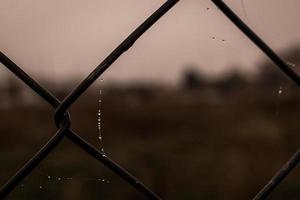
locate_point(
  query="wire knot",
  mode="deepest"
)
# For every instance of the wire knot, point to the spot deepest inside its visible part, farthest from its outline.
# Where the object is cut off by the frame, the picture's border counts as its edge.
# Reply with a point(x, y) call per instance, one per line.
point(62, 119)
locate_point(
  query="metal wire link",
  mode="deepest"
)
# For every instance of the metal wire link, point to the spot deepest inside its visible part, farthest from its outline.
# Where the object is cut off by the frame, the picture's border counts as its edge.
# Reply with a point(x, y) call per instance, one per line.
point(61, 112)
point(70, 134)
point(257, 41)
point(62, 118)
point(295, 159)
point(35, 160)
point(110, 59)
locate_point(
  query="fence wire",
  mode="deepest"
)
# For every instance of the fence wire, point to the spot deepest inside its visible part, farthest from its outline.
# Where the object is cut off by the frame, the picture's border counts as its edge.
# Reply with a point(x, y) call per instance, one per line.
point(62, 118)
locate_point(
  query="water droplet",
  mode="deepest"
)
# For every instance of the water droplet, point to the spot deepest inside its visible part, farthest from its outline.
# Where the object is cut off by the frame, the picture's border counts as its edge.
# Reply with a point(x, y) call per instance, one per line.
point(101, 79)
point(49, 177)
point(280, 90)
point(59, 178)
point(41, 187)
point(99, 124)
point(291, 64)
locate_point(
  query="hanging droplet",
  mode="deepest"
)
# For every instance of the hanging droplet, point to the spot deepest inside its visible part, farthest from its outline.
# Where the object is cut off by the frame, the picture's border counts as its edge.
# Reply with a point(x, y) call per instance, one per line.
point(99, 124)
point(280, 90)
point(41, 187)
point(291, 64)
point(279, 93)
point(49, 177)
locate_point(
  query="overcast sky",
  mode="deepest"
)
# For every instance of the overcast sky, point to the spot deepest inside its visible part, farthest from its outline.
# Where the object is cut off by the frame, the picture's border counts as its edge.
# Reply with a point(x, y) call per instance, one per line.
point(52, 38)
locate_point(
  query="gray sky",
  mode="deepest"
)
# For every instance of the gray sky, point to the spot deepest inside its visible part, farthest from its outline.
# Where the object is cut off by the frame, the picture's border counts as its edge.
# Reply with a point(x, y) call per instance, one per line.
point(50, 38)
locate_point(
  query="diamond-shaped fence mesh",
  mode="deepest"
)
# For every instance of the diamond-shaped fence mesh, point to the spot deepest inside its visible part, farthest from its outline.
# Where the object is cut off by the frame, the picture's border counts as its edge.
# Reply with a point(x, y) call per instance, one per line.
point(62, 118)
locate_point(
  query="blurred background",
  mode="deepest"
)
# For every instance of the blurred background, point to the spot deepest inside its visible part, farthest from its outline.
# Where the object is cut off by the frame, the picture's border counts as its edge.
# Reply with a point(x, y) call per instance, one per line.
point(193, 109)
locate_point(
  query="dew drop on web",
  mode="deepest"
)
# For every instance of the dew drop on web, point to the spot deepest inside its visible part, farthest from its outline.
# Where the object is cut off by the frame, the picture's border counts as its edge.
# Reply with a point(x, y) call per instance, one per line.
point(99, 120)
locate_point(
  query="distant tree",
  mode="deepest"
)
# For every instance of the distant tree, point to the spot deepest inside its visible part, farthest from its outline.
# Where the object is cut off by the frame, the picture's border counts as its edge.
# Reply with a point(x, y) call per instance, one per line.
point(192, 79)
point(13, 91)
point(235, 80)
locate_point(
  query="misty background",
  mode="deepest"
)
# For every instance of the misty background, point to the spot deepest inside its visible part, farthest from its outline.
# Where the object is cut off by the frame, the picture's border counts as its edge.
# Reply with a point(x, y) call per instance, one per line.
point(193, 109)
point(56, 38)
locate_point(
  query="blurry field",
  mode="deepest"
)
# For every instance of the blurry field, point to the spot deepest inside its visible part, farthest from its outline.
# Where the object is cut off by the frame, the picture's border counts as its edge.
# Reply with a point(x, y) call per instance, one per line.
point(203, 140)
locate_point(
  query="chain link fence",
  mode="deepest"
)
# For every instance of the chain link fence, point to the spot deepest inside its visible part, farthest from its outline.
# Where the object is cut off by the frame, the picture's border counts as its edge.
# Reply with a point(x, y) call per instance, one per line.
point(62, 118)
